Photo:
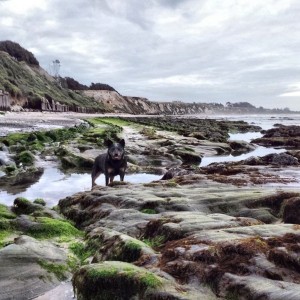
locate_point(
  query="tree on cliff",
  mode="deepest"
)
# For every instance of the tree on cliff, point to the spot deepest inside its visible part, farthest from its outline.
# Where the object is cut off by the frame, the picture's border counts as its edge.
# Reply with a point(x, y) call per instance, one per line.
point(18, 52)
point(101, 86)
point(73, 84)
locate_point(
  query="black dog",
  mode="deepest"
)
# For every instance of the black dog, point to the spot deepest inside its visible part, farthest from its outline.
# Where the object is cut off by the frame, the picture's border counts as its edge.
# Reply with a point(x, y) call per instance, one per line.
point(111, 164)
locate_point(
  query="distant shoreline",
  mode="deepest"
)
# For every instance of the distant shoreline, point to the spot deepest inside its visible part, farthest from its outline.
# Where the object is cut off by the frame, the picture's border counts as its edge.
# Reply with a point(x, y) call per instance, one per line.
point(27, 121)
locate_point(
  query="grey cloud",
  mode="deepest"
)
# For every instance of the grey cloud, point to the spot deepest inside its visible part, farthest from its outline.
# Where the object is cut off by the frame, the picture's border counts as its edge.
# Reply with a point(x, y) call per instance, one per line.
point(132, 45)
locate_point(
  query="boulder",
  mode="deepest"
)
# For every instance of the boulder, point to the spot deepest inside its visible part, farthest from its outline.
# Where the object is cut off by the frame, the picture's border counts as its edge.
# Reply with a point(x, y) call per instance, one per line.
point(291, 210)
point(239, 147)
point(29, 267)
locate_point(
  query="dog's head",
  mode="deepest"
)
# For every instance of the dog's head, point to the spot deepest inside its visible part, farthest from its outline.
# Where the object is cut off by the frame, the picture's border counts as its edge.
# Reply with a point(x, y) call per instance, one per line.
point(116, 150)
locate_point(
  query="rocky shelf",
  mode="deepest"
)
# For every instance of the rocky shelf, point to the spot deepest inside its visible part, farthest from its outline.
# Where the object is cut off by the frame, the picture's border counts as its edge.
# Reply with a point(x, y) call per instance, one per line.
point(224, 231)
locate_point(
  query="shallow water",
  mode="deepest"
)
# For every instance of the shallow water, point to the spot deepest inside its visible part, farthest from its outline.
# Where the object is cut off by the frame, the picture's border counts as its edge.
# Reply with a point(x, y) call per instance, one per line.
point(259, 151)
point(247, 137)
point(55, 185)
point(264, 121)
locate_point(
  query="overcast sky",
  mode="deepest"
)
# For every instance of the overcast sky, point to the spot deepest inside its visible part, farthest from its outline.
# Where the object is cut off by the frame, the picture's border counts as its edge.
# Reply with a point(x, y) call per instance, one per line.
point(188, 50)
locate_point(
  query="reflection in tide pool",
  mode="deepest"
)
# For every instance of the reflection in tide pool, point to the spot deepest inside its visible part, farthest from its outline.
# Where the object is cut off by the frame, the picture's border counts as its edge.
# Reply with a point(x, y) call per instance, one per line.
point(247, 137)
point(55, 185)
point(258, 152)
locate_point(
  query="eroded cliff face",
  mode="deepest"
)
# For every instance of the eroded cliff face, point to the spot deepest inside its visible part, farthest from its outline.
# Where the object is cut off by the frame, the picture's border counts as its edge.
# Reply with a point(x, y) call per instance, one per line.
point(115, 102)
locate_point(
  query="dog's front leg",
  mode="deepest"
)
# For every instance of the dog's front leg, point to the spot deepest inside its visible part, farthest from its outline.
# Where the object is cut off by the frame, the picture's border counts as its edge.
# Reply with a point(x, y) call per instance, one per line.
point(122, 174)
point(95, 175)
point(111, 179)
point(106, 179)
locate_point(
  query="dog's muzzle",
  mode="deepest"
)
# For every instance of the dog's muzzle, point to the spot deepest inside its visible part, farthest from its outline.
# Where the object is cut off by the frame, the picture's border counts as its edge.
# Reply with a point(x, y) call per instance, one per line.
point(117, 157)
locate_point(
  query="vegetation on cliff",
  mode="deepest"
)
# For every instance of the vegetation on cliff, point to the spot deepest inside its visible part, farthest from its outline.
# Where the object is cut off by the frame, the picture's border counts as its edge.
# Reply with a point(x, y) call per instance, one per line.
point(19, 53)
point(29, 85)
point(73, 84)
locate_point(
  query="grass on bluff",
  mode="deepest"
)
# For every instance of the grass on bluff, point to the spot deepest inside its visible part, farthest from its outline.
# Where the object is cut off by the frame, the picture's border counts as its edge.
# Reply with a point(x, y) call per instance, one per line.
point(21, 80)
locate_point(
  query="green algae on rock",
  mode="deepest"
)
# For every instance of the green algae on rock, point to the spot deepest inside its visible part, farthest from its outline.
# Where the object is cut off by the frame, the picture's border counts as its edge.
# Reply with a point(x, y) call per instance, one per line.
point(39, 201)
point(6, 224)
point(114, 280)
point(47, 227)
point(59, 270)
point(21, 274)
point(26, 158)
point(24, 206)
point(113, 245)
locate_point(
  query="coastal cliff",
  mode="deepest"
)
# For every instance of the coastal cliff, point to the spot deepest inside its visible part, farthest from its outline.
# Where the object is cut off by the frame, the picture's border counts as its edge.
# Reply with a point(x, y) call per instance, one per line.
point(115, 102)
point(25, 85)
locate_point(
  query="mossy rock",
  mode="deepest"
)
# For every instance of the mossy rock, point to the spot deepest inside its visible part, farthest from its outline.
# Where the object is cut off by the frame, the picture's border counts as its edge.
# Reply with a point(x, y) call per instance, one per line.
point(113, 245)
point(60, 271)
point(6, 216)
point(14, 139)
point(26, 158)
point(5, 237)
point(73, 161)
point(6, 224)
point(68, 162)
point(198, 135)
point(82, 251)
point(48, 228)
point(188, 156)
point(41, 136)
point(83, 162)
point(18, 148)
point(24, 177)
point(32, 137)
point(149, 211)
point(114, 280)
point(6, 213)
point(36, 146)
point(24, 206)
point(40, 201)
point(10, 169)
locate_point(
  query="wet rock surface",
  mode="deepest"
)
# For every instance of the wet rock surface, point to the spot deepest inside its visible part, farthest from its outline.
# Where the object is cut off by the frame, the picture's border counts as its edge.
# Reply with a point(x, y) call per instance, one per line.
point(268, 169)
point(280, 136)
point(194, 234)
point(202, 129)
point(34, 257)
point(216, 232)
point(22, 275)
point(27, 122)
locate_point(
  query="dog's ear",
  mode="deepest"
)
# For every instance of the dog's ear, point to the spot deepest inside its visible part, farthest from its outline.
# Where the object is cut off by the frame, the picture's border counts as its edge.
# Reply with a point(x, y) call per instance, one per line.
point(122, 143)
point(108, 143)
